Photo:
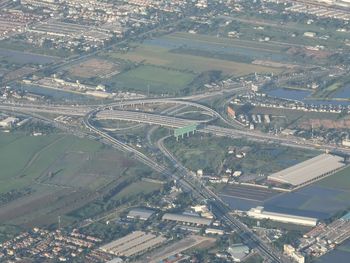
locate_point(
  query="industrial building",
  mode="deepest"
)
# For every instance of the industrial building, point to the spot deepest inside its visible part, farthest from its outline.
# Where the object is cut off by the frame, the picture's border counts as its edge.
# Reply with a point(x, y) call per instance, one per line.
point(238, 252)
point(260, 213)
point(140, 213)
point(215, 231)
point(116, 260)
point(291, 252)
point(187, 219)
point(8, 122)
point(133, 244)
point(346, 142)
point(308, 171)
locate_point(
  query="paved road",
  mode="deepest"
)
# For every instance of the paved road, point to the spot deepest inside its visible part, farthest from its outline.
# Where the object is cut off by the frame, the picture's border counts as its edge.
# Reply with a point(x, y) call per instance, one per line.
point(185, 178)
point(220, 209)
point(149, 118)
point(175, 122)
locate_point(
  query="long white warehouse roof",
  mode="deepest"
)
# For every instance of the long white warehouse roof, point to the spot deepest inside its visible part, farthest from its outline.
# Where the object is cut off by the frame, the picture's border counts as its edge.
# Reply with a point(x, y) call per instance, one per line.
point(260, 213)
point(133, 244)
point(187, 219)
point(308, 170)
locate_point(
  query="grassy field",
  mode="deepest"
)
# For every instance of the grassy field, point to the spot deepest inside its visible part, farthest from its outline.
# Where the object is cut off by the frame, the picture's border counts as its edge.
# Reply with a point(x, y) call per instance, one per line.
point(156, 79)
point(163, 57)
point(46, 176)
point(137, 188)
point(210, 154)
point(172, 63)
point(328, 91)
point(222, 41)
point(19, 45)
point(159, 52)
point(34, 155)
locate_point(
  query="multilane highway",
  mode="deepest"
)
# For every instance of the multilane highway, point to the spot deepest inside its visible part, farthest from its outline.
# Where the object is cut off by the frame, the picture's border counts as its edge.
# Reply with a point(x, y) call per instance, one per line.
point(149, 118)
point(175, 122)
point(220, 210)
point(182, 175)
point(169, 121)
point(187, 182)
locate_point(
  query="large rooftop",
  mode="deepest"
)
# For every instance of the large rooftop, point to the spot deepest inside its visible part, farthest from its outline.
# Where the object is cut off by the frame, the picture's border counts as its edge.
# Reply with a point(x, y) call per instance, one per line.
point(187, 219)
point(135, 243)
point(141, 213)
point(309, 170)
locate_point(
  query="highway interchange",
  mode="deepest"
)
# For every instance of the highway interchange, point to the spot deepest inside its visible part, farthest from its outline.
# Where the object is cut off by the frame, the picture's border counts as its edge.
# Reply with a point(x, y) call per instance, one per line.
point(118, 111)
point(177, 172)
point(121, 111)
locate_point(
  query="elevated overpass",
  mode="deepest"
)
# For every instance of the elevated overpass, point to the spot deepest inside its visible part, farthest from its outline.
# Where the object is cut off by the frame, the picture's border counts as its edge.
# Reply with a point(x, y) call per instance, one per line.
point(149, 118)
point(175, 122)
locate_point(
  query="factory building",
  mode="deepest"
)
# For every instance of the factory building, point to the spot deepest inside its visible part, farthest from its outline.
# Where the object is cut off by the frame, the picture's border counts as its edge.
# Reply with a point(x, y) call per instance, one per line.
point(309, 171)
point(214, 231)
point(291, 252)
point(238, 252)
point(346, 142)
point(187, 219)
point(133, 244)
point(260, 213)
point(140, 213)
point(8, 122)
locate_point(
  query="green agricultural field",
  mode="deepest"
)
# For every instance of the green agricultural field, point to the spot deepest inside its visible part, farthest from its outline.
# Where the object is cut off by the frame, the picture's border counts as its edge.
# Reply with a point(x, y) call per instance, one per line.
point(156, 79)
point(45, 176)
point(163, 57)
point(211, 154)
point(176, 68)
point(137, 188)
point(33, 156)
point(222, 41)
point(328, 91)
point(19, 45)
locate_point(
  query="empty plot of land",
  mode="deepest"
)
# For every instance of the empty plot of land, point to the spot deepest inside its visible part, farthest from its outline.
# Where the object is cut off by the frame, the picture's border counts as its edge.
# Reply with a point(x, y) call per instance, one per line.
point(248, 192)
point(139, 187)
point(94, 68)
point(154, 79)
point(45, 176)
point(162, 56)
point(21, 58)
point(226, 42)
point(18, 73)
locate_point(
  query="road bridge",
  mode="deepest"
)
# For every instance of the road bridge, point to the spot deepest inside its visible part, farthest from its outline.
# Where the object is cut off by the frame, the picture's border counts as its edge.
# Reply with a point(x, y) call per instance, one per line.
point(174, 122)
point(186, 180)
point(149, 118)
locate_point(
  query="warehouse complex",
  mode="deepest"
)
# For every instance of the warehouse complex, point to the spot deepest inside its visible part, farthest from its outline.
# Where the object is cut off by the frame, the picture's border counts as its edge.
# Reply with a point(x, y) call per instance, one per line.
point(308, 171)
point(133, 244)
point(260, 213)
point(140, 213)
point(187, 219)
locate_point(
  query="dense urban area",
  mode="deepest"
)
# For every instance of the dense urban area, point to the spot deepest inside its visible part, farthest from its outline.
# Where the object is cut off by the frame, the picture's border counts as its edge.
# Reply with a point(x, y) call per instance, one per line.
point(175, 131)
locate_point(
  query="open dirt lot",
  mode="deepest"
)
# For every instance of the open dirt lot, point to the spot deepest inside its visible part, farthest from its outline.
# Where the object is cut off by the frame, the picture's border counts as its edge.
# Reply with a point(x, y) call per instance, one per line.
point(93, 68)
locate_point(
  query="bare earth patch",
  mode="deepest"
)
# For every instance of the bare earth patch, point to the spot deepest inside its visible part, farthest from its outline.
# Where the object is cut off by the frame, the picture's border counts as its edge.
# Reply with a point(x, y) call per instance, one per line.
point(94, 68)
